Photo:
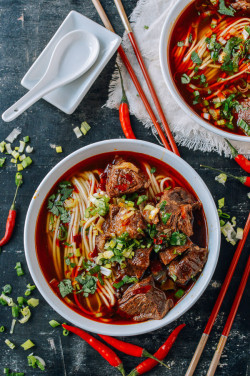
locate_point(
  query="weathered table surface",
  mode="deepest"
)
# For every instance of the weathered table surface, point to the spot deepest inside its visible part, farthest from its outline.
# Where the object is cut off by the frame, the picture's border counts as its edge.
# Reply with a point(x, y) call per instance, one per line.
point(25, 28)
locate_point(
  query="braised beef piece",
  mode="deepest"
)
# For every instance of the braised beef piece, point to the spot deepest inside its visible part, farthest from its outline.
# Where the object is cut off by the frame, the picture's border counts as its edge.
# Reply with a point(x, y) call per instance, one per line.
point(180, 204)
point(174, 251)
point(244, 113)
point(118, 223)
point(241, 5)
point(137, 266)
point(143, 301)
point(123, 178)
point(189, 265)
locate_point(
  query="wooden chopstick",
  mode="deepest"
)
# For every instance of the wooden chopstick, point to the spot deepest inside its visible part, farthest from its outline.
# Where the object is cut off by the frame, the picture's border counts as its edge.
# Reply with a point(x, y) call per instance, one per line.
point(230, 320)
point(133, 76)
point(219, 301)
point(135, 46)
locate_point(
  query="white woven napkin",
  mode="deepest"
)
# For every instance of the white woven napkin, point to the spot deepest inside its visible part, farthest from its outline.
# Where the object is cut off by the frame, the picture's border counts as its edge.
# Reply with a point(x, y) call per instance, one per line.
point(152, 14)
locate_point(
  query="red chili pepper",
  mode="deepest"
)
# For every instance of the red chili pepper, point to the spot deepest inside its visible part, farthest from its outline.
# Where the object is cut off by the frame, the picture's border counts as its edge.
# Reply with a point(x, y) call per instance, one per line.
point(129, 348)
point(183, 212)
point(11, 219)
point(124, 112)
point(103, 350)
point(242, 161)
point(245, 180)
point(161, 353)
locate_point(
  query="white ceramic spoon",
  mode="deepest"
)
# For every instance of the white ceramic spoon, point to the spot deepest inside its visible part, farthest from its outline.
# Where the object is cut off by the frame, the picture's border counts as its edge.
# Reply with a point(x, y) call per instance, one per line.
point(73, 55)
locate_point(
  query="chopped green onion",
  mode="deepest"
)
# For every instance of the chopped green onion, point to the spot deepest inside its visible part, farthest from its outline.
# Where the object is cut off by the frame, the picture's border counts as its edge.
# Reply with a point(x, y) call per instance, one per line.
point(248, 194)
point(26, 139)
point(15, 311)
point(19, 167)
point(85, 127)
point(33, 302)
point(185, 79)
point(36, 361)
point(7, 289)
point(239, 233)
point(27, 344)
point(29, 289)
point(221, 202)
point(10, 344)
point(222, 178)
point(26, 162)
point(8, 149)
point(13, 323)
point(18, 267)
point(2, 146)
point(244, 126)
point(146, 27)
point(65, 331)
point(179, 294)
point(59, 149)
point(21, 147)
point(2, 161)
point(26, 315)
point(174, 277)
point(21, 301)
point(4, 299)
point(153, 170)
point(2, 329)
point(29, 149)
point(54, 323)
point(141, 199)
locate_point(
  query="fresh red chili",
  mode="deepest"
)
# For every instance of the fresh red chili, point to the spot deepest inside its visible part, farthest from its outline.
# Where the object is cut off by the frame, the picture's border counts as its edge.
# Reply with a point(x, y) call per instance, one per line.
point(242, 161)
point(11, 219)
point(129, 348)
point(161, 353)
point(103, 350)
point(245, 180)
point(124, 112)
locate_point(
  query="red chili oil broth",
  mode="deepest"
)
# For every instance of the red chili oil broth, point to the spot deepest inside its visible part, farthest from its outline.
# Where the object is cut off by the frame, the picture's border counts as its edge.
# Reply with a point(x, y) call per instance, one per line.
point(100, 162)
point(179, 30)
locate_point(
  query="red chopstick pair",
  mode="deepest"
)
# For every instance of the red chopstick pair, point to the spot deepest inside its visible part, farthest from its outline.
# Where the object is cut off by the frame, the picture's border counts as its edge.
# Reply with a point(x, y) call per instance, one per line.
point(170, 143)
point(217, 306)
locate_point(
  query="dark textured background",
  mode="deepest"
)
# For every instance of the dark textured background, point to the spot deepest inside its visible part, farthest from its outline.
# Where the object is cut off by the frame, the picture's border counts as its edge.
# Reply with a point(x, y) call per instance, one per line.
point(20, 44)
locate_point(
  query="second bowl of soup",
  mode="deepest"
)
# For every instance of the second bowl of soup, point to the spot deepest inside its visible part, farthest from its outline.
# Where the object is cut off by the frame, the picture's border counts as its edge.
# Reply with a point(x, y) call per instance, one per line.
point(204, 54)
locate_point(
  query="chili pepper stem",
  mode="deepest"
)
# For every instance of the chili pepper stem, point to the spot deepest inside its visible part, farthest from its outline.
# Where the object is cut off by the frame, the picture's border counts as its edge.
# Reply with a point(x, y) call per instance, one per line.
point(124, 96)
point(148, 355)
point(242, 179)
point(134, 372)
point(234, 151)
point(14, 200)
point(121, 369)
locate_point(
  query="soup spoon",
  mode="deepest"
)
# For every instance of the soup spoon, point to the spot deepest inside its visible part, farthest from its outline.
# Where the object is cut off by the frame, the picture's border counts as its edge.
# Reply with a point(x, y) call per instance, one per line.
point(73, 55)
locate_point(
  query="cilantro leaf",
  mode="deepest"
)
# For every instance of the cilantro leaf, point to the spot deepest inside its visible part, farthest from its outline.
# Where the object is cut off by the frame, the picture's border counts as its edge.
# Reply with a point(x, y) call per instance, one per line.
point(65, 287)
point(195, 58)
point(88, 283)
point(223, 9)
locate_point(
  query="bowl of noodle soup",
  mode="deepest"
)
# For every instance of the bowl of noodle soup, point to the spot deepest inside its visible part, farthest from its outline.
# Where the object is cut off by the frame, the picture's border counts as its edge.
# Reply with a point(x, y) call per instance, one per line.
point(56, 255)
point(204, 57)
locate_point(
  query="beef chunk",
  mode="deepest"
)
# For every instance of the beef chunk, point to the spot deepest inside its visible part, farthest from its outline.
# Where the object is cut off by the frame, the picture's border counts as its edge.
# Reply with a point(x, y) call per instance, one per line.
point(241, 5)
point(174, 251)
point(244, 113)
point(189, 265)
point(121, 223)
point(123, 178)
point(137, 266)
point(143, 301)
point(180, 204)
point(118, 223)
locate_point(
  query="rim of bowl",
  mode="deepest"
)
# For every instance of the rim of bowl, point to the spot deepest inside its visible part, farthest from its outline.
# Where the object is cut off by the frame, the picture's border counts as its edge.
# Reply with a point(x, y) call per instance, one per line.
point(136, 146)
point(165, 68)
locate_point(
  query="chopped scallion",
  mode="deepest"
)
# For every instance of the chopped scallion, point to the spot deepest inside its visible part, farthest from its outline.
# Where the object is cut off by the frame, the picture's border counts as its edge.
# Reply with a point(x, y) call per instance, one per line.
point(18, 267)
point(10, 344)
point(27, 344)
point(54, 323)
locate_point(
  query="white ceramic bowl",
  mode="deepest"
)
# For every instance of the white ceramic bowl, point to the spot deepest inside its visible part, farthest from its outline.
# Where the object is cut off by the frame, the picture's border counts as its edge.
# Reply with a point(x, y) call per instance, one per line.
point(140, 147)
point(166, 33)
